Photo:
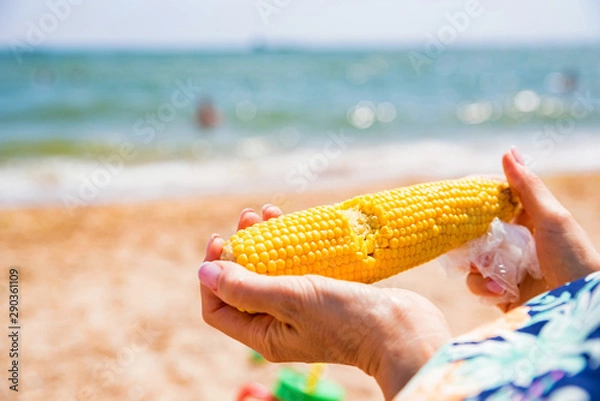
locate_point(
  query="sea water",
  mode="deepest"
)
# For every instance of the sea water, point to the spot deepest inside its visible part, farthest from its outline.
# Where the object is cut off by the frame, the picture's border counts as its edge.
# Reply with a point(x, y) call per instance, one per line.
point(81, 127)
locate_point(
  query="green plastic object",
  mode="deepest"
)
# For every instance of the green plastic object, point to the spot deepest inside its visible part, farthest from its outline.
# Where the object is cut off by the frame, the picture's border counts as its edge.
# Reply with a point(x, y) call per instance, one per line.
point(291, 386)
point(257, 358)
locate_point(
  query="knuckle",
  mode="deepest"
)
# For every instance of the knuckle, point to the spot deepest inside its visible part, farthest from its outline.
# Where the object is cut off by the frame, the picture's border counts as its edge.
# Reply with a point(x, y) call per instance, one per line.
point(266, 344)
point(208, 317)
point(528, 184)
point(294, 295)
point(232, 287)
point(517, 181)
point(533, 179)
point(299, 295)
point(271, 353)
point(558, 220)
point(315, 286)
point(290, 298)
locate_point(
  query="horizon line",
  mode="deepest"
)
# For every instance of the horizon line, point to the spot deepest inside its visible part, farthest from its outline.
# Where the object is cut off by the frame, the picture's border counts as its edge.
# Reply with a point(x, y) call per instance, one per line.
point(260, 47)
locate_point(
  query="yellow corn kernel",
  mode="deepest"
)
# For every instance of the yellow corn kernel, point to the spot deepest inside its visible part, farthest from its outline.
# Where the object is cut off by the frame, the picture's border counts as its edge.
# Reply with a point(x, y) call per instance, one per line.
point(372, 237)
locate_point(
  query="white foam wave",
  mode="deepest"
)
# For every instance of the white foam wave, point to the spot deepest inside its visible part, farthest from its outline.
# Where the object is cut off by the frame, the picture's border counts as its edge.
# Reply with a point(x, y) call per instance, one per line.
point(72, 182)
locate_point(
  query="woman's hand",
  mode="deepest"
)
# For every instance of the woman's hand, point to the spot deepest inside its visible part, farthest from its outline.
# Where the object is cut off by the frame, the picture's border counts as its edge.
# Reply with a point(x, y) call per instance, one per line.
point(388, 333)
point(564, 250)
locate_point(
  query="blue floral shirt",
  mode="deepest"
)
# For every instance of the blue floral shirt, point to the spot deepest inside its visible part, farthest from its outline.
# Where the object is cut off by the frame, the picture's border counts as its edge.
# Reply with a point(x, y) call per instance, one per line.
point(547, 349)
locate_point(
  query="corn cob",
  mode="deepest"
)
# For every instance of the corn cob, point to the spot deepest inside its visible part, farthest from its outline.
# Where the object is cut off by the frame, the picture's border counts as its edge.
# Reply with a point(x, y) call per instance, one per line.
point(375, 236)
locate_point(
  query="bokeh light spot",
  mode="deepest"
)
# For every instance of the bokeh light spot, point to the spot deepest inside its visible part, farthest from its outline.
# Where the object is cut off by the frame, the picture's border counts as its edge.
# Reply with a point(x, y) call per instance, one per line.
point(245, 110)
point(526, 101)
point(362, 116)
point(386, 112)
point(252, 147)
point(474, 113)
point(551, 107)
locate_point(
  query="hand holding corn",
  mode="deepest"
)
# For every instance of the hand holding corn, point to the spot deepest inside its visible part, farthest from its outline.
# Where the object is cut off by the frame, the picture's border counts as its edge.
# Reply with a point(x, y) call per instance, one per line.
point(375, 236)
point(387, 332)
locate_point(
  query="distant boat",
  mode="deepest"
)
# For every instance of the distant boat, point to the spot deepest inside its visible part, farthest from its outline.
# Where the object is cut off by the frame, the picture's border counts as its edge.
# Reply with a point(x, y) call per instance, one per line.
point(260, 48)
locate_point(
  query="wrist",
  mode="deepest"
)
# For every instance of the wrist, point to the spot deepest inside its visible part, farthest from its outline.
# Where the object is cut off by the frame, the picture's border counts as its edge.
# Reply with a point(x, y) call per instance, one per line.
point(397, 367)
point(391, 375)
point(410, 335)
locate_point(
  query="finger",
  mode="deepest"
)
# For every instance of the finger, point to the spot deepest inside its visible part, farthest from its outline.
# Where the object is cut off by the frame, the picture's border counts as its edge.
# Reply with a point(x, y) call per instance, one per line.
point(247, 290)
point(535, 196)
point(473, 269)
point(523, 219)
point(248, 218)
point(214, 248)
point(270, 212)
point(482, 286)
point(248, 329)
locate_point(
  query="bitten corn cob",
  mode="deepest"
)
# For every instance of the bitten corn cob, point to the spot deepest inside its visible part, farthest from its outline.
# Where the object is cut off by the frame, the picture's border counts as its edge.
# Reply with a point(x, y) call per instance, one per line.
point(371, 237)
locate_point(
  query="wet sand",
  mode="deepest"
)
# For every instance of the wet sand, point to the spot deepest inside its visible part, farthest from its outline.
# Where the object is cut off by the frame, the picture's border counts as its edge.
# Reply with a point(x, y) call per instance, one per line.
point(109, 297)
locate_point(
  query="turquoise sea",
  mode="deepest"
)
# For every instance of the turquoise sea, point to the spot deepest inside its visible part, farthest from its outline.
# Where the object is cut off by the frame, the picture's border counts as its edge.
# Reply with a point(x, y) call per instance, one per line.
point(102, 126)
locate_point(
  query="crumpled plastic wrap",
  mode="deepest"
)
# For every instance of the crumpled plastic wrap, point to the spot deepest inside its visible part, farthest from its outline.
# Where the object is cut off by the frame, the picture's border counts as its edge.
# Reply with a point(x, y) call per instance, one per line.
point(505, 254)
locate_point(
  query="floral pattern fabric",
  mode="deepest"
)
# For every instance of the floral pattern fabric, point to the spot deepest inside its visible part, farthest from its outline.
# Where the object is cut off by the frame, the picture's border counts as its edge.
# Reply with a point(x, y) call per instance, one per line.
point(547, 349)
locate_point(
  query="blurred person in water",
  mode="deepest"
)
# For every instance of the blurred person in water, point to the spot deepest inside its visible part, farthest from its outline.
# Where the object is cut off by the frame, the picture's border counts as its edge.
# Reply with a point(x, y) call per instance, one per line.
point(208, 116)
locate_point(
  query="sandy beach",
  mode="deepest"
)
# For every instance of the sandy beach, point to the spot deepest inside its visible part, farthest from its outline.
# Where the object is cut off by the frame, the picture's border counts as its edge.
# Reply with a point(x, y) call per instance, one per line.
point(109, 303)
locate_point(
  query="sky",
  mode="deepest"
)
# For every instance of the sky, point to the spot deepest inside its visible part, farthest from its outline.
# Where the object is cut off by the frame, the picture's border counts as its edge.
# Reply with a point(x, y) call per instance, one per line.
point(313, 23)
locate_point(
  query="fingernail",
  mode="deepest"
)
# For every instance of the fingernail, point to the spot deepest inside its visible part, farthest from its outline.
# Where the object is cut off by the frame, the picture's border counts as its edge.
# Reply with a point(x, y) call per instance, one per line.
point(209, 274)
point(246, 210)
point(266, 206)
point(210, 241)
point(494, 287)
point(517, 155)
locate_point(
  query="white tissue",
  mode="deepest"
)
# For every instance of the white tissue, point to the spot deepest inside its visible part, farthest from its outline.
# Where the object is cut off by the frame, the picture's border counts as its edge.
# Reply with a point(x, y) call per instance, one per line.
point(506, 253)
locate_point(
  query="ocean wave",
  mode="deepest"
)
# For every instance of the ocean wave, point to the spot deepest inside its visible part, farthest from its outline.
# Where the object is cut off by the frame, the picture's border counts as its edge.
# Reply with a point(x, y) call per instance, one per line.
point(74, 182)
point(67, 118)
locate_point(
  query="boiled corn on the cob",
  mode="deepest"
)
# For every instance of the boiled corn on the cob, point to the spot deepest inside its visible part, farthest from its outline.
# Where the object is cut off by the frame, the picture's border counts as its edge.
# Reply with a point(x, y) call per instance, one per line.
point(371, 237)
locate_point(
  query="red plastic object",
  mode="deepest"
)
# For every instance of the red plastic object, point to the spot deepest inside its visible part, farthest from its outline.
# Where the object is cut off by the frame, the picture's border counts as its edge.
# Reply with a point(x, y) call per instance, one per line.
point(255, 391)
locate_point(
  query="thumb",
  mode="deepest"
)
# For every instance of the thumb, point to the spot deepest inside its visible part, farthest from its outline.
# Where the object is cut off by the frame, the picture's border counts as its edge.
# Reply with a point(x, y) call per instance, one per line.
point(246, 290)
point(536, 198)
